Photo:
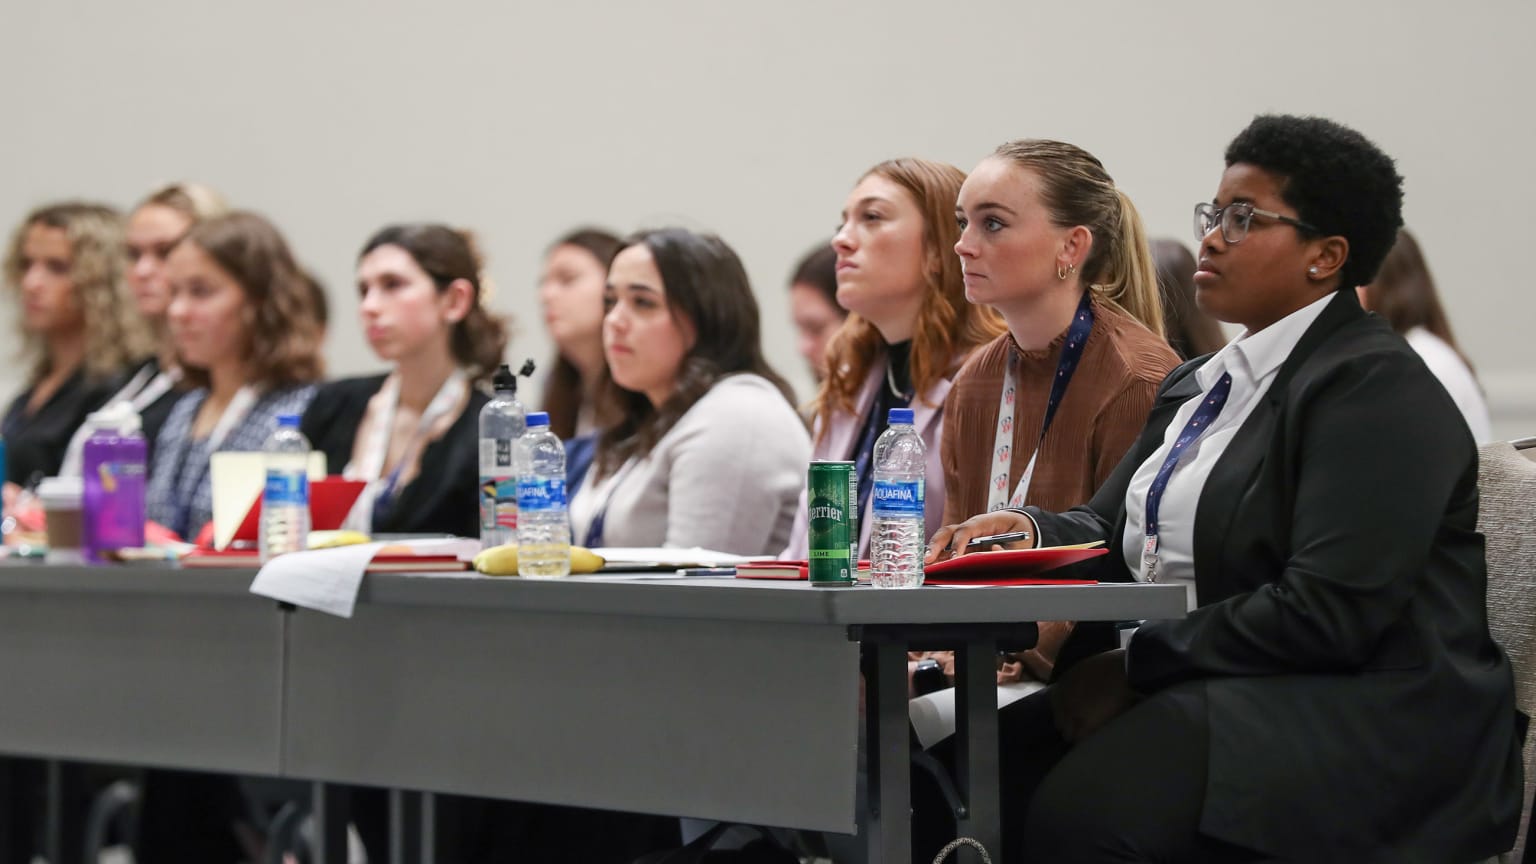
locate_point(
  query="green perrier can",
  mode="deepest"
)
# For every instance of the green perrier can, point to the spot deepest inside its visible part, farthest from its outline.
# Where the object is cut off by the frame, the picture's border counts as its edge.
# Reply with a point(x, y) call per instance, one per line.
point(832, 490)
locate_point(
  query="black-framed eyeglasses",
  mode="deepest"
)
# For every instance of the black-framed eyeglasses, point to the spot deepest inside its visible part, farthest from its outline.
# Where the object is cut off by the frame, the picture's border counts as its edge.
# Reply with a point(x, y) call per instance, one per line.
point(1236, 218)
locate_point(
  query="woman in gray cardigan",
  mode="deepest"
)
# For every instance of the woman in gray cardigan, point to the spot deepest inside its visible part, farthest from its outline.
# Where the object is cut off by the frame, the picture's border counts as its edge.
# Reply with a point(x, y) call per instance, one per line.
point(703, 446)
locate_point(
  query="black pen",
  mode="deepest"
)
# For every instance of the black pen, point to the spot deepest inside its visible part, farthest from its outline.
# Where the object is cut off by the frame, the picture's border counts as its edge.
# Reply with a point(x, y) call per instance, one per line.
point(1009, 537)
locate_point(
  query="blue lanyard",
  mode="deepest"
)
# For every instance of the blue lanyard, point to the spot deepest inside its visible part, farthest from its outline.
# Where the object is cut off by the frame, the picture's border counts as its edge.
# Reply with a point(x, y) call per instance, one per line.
point(1202, 419)
point(1071, 354)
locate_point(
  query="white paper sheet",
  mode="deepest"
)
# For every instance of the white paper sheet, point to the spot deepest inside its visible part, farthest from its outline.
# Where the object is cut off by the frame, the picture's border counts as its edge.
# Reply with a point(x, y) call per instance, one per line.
point(327, 580)
point(933, 715)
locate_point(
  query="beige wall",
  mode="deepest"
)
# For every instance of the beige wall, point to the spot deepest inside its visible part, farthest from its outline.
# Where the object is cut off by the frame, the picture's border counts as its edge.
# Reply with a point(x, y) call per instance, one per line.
point(521, 120)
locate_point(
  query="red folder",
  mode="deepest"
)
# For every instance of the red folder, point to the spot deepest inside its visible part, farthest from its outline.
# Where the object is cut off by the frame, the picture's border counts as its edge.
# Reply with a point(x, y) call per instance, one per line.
point(788, 570)
point(1010, 567)
point(330, 500)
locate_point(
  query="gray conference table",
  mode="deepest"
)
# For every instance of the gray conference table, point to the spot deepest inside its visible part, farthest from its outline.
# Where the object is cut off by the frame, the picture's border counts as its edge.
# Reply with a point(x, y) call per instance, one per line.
point(715, 699)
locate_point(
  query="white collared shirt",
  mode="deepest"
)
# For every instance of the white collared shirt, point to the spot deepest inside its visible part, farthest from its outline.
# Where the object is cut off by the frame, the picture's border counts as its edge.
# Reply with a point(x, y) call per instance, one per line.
point(1252, 359)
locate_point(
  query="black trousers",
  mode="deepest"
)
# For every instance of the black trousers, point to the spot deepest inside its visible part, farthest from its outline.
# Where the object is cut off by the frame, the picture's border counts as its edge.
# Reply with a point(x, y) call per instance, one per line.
point(1130, 792)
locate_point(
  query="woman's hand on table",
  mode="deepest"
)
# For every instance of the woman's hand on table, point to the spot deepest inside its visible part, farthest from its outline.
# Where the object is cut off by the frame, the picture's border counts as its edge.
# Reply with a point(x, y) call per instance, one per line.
point(952, 540)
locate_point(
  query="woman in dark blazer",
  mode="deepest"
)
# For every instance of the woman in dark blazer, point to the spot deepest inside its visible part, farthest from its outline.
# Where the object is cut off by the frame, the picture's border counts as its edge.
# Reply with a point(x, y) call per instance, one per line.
point(1335, 694)
point(412, 434)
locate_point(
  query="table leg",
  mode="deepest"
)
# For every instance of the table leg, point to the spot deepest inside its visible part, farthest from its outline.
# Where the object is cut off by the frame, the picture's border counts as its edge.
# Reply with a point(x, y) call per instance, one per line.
point(65, 819)
point(976, 766)
point(405, 846)
point(428, 828)
point(331, 813)
point(890, 780)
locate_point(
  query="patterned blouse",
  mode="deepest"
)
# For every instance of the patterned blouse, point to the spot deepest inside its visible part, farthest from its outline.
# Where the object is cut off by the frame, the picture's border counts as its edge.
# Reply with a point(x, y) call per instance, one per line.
point(180, 495)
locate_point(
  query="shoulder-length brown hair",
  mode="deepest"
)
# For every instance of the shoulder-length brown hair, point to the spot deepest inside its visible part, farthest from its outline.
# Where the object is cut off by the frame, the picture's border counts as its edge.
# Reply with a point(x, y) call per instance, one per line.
point(115, 334)
point(564, 392)
point(705, 285)
point(447, 255)
point(285, 331)
point(1403, 293)
point(948, 327)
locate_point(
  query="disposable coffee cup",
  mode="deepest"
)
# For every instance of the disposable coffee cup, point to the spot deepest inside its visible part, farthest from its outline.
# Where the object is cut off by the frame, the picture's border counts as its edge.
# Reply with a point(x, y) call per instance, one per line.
point(61, 507)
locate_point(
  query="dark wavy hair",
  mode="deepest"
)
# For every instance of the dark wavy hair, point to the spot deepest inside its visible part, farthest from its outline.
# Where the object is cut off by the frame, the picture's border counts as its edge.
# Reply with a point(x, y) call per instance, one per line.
point(705, 285)
point(565, 389)
point(447, 255)
point(1335, 178)
point(285, 330)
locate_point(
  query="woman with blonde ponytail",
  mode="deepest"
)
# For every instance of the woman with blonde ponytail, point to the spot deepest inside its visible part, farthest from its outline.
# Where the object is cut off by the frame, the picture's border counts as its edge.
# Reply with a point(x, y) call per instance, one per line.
point(1044, 413)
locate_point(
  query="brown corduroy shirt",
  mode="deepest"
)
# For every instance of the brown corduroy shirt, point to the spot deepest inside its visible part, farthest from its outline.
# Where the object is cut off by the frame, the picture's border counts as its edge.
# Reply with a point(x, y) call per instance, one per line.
point(1104, 409)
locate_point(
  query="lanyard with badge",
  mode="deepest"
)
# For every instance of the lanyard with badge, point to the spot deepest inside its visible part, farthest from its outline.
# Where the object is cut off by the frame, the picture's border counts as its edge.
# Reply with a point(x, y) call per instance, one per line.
point(1201, 420)
point(234, 413)
point(370, 465)
point(1002, 448)
point(141, 391)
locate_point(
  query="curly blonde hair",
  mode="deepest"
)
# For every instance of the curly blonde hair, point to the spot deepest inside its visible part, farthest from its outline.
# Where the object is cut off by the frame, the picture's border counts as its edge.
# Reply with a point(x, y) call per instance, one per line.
point(113, 330)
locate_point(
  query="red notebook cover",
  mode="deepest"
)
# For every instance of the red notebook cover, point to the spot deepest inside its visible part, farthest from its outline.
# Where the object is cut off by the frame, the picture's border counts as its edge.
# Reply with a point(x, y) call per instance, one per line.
point(1010, 567)
point(788, 570)
point(329, 502)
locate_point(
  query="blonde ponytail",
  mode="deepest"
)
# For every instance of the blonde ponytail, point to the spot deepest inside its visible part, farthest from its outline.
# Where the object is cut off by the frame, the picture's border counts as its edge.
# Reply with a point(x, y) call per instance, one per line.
point(1129, 278)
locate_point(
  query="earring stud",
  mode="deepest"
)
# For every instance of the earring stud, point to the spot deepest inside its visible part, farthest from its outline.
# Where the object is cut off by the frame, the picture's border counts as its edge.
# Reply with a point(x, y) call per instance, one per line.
point(1312, 271)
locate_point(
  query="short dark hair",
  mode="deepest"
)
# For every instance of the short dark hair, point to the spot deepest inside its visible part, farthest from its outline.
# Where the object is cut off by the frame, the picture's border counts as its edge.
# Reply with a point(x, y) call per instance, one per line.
point(1335, 178)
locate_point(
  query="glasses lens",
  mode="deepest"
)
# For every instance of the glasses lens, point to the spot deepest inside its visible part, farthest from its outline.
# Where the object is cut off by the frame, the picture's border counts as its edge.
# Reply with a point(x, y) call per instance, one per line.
point(1235, 220)
point(1205, 217)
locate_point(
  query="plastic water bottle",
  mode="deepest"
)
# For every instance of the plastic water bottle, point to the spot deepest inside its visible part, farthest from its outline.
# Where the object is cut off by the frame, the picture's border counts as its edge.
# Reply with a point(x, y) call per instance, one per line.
point(285, 500)
point(896, 532)
point(502, 422)
point(113, 462)
point(543, 528)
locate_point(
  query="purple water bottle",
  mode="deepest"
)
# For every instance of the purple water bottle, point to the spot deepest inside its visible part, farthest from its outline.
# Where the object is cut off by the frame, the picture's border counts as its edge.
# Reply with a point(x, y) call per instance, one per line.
point(113, 467)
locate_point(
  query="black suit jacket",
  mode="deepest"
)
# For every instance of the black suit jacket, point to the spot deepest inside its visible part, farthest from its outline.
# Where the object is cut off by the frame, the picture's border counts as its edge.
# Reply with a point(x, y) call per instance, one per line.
point(1358, 708)
point(443, 497)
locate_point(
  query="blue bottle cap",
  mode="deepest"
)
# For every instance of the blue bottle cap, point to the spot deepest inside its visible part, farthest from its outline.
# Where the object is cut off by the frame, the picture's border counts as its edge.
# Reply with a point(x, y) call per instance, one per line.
point(538, 418)
point(900, 415)
point(288, 420)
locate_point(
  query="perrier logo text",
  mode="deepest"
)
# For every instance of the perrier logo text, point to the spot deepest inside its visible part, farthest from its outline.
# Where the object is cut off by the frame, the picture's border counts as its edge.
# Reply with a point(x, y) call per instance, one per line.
point(825, 510)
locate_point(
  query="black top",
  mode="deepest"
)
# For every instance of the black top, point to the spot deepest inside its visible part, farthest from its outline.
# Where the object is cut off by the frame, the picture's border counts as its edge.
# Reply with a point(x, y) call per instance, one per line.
point(443, 498)
point(35, 443)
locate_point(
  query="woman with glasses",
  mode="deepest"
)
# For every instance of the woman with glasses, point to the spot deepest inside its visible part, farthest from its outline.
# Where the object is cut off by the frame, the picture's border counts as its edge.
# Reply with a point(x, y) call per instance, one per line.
point(1335, 694)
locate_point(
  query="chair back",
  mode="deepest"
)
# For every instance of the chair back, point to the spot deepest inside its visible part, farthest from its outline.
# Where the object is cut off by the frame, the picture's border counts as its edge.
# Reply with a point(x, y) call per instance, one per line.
point(1506, 482)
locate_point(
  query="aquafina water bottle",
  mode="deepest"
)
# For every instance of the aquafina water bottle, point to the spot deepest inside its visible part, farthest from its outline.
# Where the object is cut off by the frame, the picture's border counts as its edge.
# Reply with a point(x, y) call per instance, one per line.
point(543, 528)
point(285, 499)
point(896, 531)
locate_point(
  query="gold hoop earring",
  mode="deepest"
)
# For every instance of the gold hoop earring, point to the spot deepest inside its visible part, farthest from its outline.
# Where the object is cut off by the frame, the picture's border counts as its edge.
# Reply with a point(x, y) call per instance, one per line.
point(1061, 272)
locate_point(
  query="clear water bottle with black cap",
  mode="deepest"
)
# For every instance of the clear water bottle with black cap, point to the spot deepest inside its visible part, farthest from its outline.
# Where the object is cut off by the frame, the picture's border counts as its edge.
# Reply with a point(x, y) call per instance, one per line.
point(502, 422)
point(896, 531)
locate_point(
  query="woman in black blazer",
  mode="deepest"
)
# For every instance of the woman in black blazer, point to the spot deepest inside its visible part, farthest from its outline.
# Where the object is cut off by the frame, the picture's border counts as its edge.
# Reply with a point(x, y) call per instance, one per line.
point(412, 434)
point(1335, 694)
